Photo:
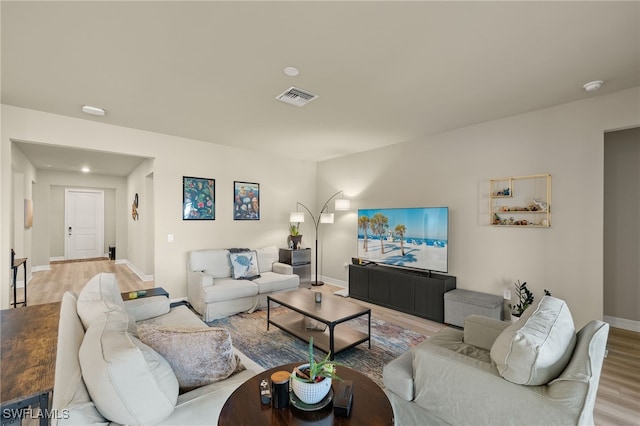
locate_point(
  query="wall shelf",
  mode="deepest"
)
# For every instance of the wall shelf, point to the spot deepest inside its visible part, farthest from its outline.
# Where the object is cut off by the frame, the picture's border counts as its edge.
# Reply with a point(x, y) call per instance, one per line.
point(521, 201)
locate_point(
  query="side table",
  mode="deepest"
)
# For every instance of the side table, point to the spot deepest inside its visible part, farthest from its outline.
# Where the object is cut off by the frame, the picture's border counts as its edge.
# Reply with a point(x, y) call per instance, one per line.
point(300, 260)
point(15, 267)
point(148, 292)
point(370, 404)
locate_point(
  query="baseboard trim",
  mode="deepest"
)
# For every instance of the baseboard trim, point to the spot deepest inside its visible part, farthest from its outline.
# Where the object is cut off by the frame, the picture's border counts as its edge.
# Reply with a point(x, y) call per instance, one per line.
point(57, 259)
point(41, 268)
point(136, 271)
point(623, 323)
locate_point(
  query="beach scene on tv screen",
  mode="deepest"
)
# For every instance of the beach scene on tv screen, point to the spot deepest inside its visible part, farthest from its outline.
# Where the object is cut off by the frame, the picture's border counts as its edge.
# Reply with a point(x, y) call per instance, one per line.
point(406, 237)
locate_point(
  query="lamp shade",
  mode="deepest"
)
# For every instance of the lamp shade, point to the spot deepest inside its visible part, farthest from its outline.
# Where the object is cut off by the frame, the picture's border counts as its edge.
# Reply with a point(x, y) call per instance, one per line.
point(296, 217)
point(326, 218)
point(343, 204)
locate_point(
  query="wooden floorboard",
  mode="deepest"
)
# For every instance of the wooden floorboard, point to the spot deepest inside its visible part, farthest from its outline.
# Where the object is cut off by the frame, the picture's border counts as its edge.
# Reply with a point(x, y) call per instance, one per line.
point(618, 400)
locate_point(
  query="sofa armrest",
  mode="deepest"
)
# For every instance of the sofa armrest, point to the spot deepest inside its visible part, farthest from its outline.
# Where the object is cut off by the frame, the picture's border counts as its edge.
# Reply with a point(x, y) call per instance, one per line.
point(147, 307)
point(397, 376)
point(196, 280)
point(482, 331)
point(282, 268)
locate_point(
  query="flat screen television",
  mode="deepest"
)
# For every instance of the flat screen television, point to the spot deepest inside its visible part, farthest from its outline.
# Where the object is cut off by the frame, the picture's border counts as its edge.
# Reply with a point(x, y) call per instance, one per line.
point(416, 237)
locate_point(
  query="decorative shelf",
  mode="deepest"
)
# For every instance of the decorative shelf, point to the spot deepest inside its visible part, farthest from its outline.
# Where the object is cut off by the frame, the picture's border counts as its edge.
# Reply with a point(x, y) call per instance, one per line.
point(529, 196)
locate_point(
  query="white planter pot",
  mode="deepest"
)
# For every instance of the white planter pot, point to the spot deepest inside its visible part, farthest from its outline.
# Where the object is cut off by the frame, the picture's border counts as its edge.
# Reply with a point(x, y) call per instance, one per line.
point(310, 393)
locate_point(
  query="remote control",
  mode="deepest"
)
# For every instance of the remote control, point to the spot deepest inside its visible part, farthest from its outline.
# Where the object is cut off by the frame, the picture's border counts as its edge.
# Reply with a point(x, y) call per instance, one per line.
point(265, 392)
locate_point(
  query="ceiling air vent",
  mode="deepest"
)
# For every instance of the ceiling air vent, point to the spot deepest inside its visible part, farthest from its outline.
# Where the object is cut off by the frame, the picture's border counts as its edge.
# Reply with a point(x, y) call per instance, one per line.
point(295, 96)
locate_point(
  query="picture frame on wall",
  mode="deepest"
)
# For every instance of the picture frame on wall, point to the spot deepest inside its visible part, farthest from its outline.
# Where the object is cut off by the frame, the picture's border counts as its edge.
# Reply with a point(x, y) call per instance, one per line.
point(246, 200)
point(198, 198)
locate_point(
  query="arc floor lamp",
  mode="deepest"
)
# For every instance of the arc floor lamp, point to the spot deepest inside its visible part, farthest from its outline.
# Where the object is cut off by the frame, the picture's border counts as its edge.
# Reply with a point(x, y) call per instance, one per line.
point(324, 216)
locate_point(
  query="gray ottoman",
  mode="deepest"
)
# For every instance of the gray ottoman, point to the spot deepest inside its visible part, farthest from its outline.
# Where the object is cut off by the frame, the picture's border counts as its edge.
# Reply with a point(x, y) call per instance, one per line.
point(459, 304)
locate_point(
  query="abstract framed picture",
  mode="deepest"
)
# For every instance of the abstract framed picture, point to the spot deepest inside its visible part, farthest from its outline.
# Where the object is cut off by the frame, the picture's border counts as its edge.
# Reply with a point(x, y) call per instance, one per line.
point(246, 201)
point(198, 198)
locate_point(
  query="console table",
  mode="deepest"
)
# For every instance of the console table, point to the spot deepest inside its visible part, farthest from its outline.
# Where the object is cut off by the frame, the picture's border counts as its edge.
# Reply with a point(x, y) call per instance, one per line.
point(15, 267)
point(29, 344)
point(414, 292)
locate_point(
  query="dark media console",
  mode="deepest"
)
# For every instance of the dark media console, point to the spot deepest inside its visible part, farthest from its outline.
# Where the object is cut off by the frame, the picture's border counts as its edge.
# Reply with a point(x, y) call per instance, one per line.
point(418, 293)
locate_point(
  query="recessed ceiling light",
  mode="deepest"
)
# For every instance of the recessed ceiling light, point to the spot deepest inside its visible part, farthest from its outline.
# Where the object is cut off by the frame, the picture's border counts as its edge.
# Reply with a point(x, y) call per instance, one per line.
point(47, 165)
point(85, 169)
point(291, 71)
point(592, 86)
point(93, 110)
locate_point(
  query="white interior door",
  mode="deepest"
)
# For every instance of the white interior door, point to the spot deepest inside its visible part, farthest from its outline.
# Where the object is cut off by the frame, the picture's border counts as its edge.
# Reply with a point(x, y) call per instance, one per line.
point(84, 223)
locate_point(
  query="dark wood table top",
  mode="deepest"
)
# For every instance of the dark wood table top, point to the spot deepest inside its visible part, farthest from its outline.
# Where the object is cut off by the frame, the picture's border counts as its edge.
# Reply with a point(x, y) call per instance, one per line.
point(370, 406)
point(28, 351)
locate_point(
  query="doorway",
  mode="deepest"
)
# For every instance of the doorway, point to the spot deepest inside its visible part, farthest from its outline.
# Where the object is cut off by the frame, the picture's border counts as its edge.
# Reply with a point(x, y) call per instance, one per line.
point(84, 223)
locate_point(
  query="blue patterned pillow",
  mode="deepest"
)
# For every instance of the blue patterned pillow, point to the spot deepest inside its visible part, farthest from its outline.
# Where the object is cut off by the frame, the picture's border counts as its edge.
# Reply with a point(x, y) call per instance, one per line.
point(244, 265)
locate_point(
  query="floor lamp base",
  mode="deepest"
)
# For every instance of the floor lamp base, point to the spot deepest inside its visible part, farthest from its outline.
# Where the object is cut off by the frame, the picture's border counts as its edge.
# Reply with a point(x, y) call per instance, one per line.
point(317, 283)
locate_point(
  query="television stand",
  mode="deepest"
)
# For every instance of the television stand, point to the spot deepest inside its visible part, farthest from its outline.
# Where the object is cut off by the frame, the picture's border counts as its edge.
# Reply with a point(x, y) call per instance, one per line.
point(419, 293)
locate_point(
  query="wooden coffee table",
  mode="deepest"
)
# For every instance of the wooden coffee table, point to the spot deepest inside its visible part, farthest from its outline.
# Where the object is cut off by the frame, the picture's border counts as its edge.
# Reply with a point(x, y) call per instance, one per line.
point(331, 311)
point(370, 404)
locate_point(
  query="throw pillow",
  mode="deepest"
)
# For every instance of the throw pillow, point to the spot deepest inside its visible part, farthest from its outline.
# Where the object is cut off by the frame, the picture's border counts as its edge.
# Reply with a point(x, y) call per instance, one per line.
point(244, 265)
point(198, 356)
point(536, 349)
point(128, 381)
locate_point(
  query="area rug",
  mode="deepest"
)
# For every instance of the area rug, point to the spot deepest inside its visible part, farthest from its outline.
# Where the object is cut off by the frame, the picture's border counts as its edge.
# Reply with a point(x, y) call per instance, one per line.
point(276, 347)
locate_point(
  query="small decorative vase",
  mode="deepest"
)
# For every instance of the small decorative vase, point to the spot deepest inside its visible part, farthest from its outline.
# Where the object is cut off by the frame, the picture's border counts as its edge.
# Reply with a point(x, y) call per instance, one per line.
point(295, 241)
point(310, 393)
point(514, 318)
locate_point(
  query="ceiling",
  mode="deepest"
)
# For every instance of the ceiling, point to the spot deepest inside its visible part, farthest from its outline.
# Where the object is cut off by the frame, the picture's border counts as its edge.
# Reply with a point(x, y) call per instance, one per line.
point(385, 72)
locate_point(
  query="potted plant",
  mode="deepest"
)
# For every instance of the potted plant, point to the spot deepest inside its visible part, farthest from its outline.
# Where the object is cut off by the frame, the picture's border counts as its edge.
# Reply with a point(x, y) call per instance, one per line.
point(294, 236)
point(525, 299)
point(311, 382)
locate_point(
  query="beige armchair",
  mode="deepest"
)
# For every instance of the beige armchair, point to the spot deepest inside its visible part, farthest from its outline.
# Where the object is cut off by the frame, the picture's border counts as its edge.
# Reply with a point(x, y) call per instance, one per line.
point(536, 371)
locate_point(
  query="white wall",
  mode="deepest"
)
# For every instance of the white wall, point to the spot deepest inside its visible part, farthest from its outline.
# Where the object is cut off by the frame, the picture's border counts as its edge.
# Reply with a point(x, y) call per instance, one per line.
point(621, 226)
point(453, 169)
point(49, 197)
point(173, 158)
point(23, 176)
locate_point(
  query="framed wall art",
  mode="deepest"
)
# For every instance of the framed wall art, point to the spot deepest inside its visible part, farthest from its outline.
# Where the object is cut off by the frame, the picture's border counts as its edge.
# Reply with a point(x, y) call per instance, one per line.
point(198, 198)
point(246, 201)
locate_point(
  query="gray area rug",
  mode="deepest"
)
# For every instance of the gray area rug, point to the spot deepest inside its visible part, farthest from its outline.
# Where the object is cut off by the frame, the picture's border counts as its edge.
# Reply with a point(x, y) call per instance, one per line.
point(276, 347)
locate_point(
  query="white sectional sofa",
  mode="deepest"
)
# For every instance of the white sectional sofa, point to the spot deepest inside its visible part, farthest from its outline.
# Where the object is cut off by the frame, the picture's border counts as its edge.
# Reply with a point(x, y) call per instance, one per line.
point(214, 292)
point(106, 375)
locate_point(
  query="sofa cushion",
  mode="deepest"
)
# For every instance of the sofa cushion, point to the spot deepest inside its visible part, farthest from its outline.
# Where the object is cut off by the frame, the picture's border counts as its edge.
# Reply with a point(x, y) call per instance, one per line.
point(244, 265)
point(267, 256)
point(70, 391)
point(535, 349)
point(228, 289)
point(270, 282)
point(213, 262)
point(128, 381)
point(103, 286)
point(100, 294)
point(198, 356)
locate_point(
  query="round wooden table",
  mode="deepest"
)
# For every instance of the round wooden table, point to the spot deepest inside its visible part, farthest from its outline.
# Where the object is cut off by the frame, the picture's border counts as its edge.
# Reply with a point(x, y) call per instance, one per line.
point(370, 404)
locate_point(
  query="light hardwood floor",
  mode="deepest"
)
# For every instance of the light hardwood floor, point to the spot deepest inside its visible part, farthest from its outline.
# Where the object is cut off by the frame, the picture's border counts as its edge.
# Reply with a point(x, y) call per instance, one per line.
point(618, 401)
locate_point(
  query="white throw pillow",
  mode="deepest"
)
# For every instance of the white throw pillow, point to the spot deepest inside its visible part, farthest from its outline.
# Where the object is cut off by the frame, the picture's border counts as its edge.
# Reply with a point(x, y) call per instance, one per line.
point(128, 381)
point(198, 356)
point(536, 349)
point(244, 265)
